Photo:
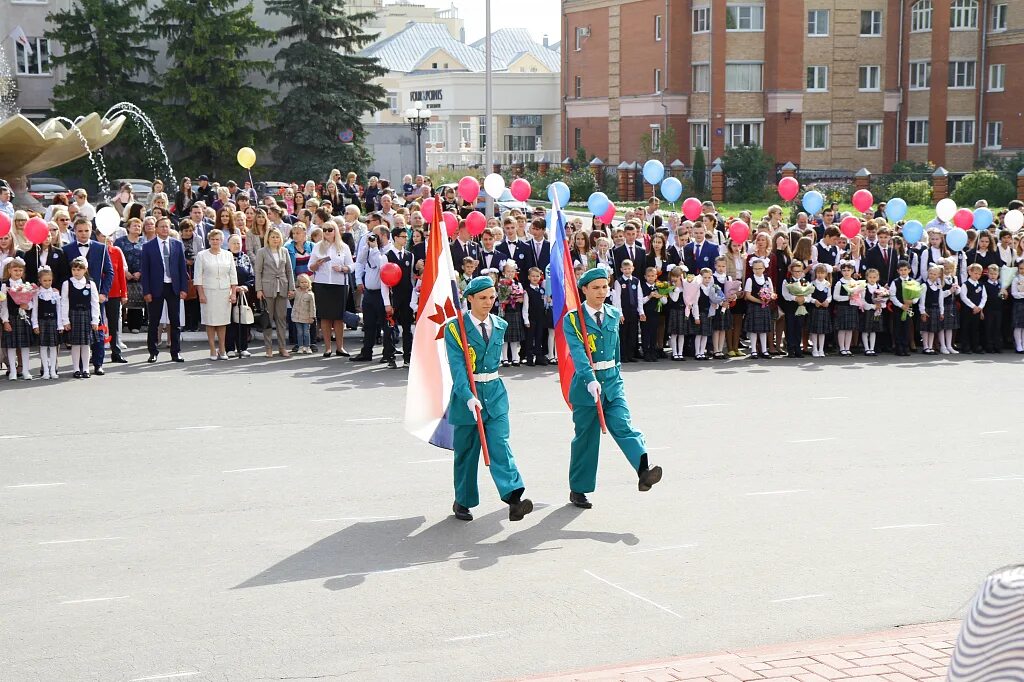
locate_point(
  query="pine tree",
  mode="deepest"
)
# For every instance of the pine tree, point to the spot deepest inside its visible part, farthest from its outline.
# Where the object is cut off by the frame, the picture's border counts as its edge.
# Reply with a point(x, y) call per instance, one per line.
point(105, 55)
point(699, 172)
point(209, 106)
point(330, 90)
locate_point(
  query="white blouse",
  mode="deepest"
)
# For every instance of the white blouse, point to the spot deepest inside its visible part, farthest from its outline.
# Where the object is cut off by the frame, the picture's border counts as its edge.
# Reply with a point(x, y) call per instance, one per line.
point(325, 272)
point(65, 302)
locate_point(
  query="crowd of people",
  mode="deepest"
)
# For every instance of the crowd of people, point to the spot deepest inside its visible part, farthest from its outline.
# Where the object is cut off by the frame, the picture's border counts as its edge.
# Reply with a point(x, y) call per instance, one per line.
point(300, 268)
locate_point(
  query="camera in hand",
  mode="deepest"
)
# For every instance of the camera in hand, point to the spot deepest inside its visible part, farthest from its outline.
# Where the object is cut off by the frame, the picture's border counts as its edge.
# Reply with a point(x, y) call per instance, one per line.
point(372, 238)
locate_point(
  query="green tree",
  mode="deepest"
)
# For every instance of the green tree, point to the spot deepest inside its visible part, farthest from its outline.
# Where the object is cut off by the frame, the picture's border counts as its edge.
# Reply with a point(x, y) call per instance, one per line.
point(700, 170)
point(746, 170)
point(330, 90)
point(984, 184)
point(209, 107)
point(105, 55)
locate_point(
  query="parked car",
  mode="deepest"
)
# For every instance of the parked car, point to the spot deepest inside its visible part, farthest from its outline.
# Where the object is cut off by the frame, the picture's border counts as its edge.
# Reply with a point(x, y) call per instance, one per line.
point(140, 188)
point(43, 189)
point(273, 188)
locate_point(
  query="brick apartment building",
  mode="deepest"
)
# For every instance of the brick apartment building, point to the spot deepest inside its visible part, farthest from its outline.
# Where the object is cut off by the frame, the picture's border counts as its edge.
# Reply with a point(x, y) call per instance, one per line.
point(840, 84)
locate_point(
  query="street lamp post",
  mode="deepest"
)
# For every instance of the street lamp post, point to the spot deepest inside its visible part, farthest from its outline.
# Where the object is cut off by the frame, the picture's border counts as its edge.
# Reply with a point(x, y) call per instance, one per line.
point(418, 117)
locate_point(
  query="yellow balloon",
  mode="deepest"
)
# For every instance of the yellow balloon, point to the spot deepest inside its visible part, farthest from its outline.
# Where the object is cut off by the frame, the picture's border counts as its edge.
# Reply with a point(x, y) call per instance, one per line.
point(246, 157)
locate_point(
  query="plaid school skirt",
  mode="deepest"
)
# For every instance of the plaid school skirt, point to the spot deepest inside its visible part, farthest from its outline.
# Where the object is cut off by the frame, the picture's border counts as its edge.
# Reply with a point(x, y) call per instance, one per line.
point(821, 320)
point(49, 336)
point(847, 318)
point(81, 333)
point(952, 312)
point(676, 323)
point(872, 324)
point(21, 335)
point(759, 320)
point(699, 329)
point(722, 321)
point(933, 324)
point(1018, 313)
point(516, 332)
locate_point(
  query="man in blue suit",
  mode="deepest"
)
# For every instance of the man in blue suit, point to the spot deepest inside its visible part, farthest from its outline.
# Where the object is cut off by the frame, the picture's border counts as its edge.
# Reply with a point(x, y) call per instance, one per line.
point(100, 270)
point(164, 280)
point(700, 253)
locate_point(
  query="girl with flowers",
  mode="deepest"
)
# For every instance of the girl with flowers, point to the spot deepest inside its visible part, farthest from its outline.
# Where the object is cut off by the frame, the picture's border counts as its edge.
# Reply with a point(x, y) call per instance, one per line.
point(15, 315)
point(512, 309)
point(676, 326)
point(44, 322)
point(698, 322)
point(1017, 294)
point(951, 292)
point(931, 308)
point(721, 323)
point(873, 311)
point(847, 315)
point(820, 323)
point(80, 314)
point(759, 320)
point(736, 268)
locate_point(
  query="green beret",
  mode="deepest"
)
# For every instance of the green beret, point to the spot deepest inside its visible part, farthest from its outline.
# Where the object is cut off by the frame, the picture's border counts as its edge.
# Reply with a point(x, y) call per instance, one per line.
point(478, 284)
point(590, 275)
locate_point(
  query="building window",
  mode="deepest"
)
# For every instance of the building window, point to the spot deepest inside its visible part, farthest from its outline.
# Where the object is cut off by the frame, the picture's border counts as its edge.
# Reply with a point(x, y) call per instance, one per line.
point(655, 138)
point(701, 77)
point(581, 33)
point(920, 75)
point(999, 17)
point(869, 135)
point(816, 136)
point(960, 131)
point(871, 22)
point(657, 27)
point(37, 63)
point(482, 131)
point(743, 77)
point(744, 18)
point(435, 134)
point(701, 19)
point(921, 16)
point(699, 136)
point(963, 15)
point(393, 102)
point(917, 132)
point(961, 75)
point(996, 77)
point(577, 139)
point(743, 134)
point(817, 79)
point(465, 134)
point(994, 135)
point(870, 78)
point(657, 81)
point(578, 86)
point(817, 22)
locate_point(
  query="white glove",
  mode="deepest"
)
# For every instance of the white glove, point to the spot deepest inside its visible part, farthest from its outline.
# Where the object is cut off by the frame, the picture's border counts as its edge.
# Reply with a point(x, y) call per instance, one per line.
point(473, 404)
point(594, 389)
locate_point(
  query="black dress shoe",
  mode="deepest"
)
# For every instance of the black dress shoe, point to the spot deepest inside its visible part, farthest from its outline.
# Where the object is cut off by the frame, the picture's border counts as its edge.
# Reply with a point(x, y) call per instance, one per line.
point(543, 362)
point(176, 358)
point(648, 478)
point(462, 513)
point(580, 500)
point(98, 371)
point(119, 360)
point(360, 358)
point(151, 359)
point(77, 375)
point(517, 511)
point(392, 364)
point(341, 353)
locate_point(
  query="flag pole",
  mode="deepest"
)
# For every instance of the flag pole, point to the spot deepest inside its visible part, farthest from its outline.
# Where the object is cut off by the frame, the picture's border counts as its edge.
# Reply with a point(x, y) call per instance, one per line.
point(439, 225)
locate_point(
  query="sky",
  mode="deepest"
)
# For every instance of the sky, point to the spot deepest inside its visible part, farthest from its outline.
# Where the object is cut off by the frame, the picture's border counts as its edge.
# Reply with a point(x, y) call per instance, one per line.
point(539, 16)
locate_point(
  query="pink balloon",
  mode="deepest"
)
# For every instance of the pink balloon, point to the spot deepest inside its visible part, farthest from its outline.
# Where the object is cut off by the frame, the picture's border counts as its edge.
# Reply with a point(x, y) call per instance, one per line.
point(963, 218)
point(5, 225)
point(609, 215)
point(475, 223)
point(451, 223)
point(862, 200)
point(427, 209)
point(739, 231)
point(469, 189)
point(692, 208)
point(851, 226)
point(37, 232)
point(788, 188)
point(520, 189)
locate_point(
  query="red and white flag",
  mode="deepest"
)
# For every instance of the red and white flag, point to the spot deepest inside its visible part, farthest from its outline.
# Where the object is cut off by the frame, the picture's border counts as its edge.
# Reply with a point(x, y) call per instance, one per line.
point(430, 379)
point(20, 37)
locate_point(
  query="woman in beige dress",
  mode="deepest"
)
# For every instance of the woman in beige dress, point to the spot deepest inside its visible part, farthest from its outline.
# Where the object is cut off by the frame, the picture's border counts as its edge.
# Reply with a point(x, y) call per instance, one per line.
point(216, 281)
point(275, 285)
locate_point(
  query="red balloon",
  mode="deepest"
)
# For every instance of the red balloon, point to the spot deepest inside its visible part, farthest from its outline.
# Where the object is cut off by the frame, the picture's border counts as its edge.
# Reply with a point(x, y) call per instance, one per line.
point(609, 215)
point(692, 208)
point(427, 209)
point(963, 218)
point(5, 225)
point(851, 226)
point(391, 274)
point(862, 200)
point(520, 189)
point(788, 188)
point(475, 223)
point(451, 223)
point(37, 232)
point(739, 231)
point(469, 189)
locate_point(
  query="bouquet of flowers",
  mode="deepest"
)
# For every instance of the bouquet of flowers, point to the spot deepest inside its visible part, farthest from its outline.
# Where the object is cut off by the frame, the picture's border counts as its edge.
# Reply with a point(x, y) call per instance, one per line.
point(912, 290)
point(510, 292)
point(881, 298)
point(22, 294)
point(800, 289)
point(1006, 275)
point(732, 288)
point(664, 289)
point(691, 295)
point(856, 291)
point(717, 296)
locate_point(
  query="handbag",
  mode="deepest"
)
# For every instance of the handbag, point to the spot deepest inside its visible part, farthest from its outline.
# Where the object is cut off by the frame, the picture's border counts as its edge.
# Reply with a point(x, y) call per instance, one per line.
point(135, 297)
point(192, 294)
point(260, 315)
point(242, 313)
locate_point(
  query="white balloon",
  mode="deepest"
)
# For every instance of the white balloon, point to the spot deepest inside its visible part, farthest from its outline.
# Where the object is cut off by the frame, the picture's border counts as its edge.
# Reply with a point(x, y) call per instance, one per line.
point(107, 220)
point(945, 209)
point(1014, 220)
point(494, 185)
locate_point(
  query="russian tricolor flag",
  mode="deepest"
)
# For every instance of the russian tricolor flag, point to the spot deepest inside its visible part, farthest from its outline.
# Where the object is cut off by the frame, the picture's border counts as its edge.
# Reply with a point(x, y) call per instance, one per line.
point(564, 296)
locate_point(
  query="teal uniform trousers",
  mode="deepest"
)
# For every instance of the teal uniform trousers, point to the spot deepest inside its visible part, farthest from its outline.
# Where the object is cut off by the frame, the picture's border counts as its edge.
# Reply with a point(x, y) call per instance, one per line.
point(485, 358)
point(604, 347)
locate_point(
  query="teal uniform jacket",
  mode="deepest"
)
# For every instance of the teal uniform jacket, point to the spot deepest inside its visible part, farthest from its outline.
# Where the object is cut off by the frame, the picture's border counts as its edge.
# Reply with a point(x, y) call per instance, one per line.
point(604, 346)
point(492, 395)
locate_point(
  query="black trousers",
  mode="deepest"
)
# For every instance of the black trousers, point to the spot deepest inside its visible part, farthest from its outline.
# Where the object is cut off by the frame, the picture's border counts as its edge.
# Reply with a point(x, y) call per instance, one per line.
point(629, 332)
point(374, 320)
point(971, 327)
point(993, 326)
point(402, 316)
point(113, 310)
point(900, 329)
point(154, 309)
point(794, 331)
point(237, 338)
point(536, 346)
point(649, 336)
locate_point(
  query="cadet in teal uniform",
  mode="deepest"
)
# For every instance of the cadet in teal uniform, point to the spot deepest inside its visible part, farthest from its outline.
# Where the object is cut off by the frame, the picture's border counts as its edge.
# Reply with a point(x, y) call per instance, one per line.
point(486, 334)
point(600, 381)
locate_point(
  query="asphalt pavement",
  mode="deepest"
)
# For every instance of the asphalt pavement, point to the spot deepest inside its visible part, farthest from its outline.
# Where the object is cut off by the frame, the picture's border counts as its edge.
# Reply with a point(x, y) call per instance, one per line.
point(271, 519)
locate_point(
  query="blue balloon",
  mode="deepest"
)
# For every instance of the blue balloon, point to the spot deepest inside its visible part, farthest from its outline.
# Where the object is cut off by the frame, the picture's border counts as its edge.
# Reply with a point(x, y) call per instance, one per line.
point(671, 189)
point(598, 203)
point(559, 190)
point(654, 171)
point(983, 217)
point(895, 209)
point(813, 202)
point(913, 230)
point(956, 239)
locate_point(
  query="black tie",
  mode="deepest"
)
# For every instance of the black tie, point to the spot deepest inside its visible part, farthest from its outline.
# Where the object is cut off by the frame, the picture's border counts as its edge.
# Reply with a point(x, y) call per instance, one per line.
point(483, 333)
point(598, 318)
